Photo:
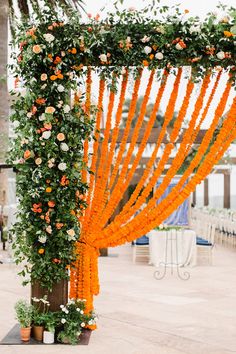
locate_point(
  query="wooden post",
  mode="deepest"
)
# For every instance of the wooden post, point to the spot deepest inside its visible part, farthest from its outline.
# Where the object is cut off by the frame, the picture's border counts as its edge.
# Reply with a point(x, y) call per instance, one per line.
point(206, 192)
point(58, 296)
point(227, 190)
point(194, 199)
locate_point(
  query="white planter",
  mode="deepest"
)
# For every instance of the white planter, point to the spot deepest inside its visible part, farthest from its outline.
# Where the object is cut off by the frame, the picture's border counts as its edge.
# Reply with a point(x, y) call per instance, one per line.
point(48, 337)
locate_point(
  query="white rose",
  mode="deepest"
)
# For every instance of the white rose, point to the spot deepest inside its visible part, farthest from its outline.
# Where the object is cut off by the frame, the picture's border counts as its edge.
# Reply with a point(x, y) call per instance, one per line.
point(220, 55)
point(60, 88)
point(195, 29)
point(82, 324)
point(145, 39)
point(60, 103)
point(33, 80)
point(43, 86)
point(160, 29)
point(81, 312)
point(29, 114)
point(49, 229)
point(66, 108)
point(64, 147)
point(103, 57)
point(63, 320)
point(16, 124)
point(159, 56)
point(179, 47)
point(62, 166)
point(147, 50)
point(50, 164)
point(42, 117)
point(42, 239)
point(71, 232)
point(49, 37)
point(38, 161)
point(46, 135)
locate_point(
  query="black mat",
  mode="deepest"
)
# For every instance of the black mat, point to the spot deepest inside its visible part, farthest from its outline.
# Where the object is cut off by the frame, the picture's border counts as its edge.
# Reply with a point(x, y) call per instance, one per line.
point(13, 338)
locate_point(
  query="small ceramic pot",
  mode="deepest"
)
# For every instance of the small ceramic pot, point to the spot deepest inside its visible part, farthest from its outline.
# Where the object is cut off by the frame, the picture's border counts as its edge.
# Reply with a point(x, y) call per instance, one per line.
point(25, 334)
point(48, 337)
point(38, 333)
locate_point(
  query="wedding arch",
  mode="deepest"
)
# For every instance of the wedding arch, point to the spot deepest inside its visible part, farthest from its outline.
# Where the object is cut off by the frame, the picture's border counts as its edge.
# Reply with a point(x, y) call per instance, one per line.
point(72, 175)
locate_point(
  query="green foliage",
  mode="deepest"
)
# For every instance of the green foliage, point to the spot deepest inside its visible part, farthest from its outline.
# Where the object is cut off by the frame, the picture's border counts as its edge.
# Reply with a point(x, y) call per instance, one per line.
point(24, 312)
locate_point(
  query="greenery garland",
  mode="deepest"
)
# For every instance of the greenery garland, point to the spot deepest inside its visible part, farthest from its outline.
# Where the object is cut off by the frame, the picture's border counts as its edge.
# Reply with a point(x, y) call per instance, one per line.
point(50, 131)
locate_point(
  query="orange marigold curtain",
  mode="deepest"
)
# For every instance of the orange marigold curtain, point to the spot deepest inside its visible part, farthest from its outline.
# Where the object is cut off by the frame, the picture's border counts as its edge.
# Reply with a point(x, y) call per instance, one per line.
point(113, 164)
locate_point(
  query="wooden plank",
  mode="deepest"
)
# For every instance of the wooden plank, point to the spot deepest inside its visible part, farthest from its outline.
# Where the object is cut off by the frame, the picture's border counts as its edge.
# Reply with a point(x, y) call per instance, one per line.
point(227, 191)
point(206, 192)
point(58, 296)
point(154, 136)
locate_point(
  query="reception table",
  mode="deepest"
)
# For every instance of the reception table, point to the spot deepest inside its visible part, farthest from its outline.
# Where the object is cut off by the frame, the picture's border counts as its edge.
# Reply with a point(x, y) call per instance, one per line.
point(172, 247)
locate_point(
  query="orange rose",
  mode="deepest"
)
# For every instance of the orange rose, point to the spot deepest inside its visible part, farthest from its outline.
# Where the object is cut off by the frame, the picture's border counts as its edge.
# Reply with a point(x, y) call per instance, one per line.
point(57, 60)
point(33, 109)
point(48, 181)
point(50, 57)
point(56, 260)
point(48, 190)
point(186, 11)
point(37, 49)
point(228, 34)
point(47, 126)
point(51, 203)
point(145, 63)
point(41, 251)
point(27, 154)
point(60, 76)
point(73, 51)
point(151, 56)
point(50, 110)
point(53, 77)
point(60, 136)
point(40, 100)
point(59, 225)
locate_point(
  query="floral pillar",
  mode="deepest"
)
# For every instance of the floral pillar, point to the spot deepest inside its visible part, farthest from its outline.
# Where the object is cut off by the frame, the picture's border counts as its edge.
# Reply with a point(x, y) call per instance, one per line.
point(48, 154)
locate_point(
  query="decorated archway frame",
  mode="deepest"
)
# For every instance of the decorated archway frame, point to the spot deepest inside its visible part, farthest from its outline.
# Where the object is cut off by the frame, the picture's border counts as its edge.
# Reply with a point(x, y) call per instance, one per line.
point(68, 198)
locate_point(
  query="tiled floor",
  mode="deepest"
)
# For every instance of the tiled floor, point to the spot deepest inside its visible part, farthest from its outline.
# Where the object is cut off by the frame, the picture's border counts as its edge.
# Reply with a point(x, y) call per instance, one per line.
point(141, 315)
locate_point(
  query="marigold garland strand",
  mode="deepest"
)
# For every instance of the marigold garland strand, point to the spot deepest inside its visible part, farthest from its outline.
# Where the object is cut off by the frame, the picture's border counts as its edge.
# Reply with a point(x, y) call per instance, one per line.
point(122, 186)
point(203, 147)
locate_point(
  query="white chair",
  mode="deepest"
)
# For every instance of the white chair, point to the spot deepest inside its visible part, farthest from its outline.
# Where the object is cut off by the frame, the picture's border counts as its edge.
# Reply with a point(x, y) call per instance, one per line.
point(205, 246)
point(140, 252)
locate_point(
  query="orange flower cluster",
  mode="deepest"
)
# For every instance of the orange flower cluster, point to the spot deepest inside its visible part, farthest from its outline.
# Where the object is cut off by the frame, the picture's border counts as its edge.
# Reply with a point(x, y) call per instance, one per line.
point(84, 275)
point(87, 105)
point(121, 185)
point(64, 181)
point(95, 151)
point(37, 208)
point(108, 183)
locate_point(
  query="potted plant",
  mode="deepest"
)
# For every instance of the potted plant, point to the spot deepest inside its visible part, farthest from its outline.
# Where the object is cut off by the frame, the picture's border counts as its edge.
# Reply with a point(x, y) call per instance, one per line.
point(40, 311)
point(49, 328)
point(24, 312)
point(73, 319)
